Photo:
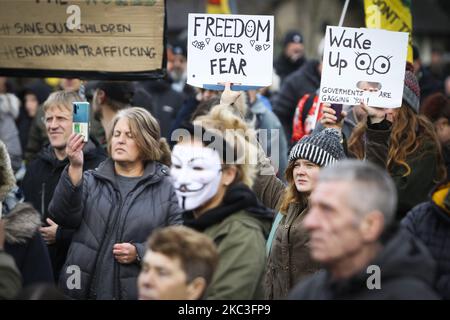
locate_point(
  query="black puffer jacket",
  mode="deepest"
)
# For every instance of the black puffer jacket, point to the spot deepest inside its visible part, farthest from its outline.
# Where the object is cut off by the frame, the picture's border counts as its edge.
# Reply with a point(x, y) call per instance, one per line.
point(406, 273)
point(102, 219)
point(39, 183)
point(430, 222)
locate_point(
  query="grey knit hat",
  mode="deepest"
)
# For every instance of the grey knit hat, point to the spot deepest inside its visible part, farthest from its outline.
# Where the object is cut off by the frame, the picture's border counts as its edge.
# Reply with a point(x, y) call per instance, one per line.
point(322, 148)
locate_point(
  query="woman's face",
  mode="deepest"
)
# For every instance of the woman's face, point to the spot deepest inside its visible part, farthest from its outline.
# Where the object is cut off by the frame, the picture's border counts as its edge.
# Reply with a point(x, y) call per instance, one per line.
point(123, 144)
point(31, 104)
point(197, 173)
point(305, 173)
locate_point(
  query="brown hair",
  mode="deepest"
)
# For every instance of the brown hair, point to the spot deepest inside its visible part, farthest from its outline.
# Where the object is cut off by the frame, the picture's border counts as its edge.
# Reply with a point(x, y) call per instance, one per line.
point(196, 251)
point(436, 106)
point(409, 131)
point(291, 193)
point(237, 133)
point(61, 99)
point(146, 132)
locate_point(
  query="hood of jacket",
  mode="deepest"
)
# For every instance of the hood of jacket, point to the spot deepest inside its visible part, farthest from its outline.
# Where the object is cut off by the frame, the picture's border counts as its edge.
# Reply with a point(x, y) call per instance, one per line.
point(237, 198)
point(440, 200)
point(401, 257)
point(153, 172)
point(7, 179)
point(9, 104)
point(310, 71)
point(39, 88)
point(21, 223)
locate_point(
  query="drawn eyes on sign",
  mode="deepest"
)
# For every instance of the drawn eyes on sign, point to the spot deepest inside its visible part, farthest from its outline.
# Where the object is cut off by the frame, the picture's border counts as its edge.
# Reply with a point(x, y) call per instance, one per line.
point(363, 61)
point(382, 64)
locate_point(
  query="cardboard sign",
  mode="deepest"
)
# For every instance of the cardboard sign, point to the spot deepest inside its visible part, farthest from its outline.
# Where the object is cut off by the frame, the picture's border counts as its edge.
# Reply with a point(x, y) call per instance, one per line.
point(363, 65)
point(230, 48)
point(82, 38)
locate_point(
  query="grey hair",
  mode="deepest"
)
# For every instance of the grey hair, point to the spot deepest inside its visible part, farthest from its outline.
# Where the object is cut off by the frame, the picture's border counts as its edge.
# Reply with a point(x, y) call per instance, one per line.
point(371, 187)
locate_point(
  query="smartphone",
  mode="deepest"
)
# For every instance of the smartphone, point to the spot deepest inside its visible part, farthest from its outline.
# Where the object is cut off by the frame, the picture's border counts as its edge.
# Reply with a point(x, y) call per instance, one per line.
point(81, 119)
point(338, 109)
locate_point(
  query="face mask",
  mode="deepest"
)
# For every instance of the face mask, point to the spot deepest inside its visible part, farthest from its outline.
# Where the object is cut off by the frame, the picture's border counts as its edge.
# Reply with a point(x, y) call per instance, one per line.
point(196, 172)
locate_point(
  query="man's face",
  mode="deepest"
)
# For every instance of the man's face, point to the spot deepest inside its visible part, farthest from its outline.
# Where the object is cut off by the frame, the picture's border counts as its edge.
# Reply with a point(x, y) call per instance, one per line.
point(332, 224)
point(178, 67)
point(58, 123)
point(294, 51)
point(162, 278)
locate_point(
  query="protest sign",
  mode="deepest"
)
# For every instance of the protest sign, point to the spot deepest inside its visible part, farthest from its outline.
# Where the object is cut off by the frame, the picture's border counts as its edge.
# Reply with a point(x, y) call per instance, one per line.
point(82, 38)
point(363, 65)
point(230, 48)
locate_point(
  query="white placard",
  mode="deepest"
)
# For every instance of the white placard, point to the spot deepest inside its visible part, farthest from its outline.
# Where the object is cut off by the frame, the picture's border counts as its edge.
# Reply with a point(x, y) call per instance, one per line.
point(363, 65)
point(230, 48)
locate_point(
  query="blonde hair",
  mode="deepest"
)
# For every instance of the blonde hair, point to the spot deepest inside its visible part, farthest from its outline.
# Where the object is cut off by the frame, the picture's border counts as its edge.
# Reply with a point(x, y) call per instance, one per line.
point(61, 99)
point(146, 132)
point(237, 133)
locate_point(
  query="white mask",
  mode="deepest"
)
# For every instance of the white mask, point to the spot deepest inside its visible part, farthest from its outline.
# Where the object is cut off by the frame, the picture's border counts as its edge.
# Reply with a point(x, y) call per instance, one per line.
point(196, 172)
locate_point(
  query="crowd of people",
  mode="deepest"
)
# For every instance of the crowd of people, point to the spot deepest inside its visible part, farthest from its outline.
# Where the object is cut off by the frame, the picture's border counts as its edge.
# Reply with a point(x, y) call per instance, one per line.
point(187, 193)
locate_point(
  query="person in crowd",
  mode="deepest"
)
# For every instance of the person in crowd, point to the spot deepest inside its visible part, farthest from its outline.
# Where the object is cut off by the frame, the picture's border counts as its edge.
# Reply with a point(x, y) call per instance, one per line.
point(292, 57)
point(352, 209)
point(166, 103)
point(212, 182)
point(436, 107)
point(401, 141)
point(109, 97)
point(9, 112)
point(190, 107)
point(296, 85)
point(430, 222)
point(289, 260)
point(10, 280)
point(268, 128)
point(427, 82)
point(21, 222)
point(44, 171)
point(32, 97)
point(114, 208)
point(178, 265)
point(178, 70)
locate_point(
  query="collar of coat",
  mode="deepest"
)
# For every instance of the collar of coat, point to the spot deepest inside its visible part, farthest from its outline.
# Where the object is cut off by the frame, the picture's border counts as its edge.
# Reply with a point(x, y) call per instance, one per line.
point(153, 172)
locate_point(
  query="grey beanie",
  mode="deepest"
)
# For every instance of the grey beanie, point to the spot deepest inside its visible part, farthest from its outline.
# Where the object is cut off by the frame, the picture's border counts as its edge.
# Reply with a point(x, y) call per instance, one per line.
point(322, 148)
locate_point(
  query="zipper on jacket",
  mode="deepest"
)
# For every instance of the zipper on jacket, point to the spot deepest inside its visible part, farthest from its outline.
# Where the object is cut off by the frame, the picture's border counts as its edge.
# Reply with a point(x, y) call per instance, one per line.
point(43, 201)
point(102, 252)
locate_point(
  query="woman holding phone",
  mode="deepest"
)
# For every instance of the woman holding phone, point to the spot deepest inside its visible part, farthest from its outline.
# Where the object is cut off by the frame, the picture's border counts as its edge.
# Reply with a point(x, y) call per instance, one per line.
point(400, 140)
point(115, 207)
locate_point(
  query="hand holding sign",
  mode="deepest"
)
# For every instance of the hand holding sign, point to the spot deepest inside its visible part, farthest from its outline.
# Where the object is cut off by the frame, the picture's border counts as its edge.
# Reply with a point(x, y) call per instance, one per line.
point(363, 65)
point(231, 40)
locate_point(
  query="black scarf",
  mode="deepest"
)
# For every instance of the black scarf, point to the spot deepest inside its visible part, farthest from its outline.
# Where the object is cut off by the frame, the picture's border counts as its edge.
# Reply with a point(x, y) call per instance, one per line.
point(238, 197)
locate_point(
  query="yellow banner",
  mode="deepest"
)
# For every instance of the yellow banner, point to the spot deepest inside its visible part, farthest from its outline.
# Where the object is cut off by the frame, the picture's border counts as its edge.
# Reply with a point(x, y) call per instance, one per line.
point(218, 7)
point(394, 15)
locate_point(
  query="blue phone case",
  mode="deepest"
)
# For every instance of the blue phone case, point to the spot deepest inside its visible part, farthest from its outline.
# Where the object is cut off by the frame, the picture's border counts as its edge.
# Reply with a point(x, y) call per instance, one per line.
point(81, 119)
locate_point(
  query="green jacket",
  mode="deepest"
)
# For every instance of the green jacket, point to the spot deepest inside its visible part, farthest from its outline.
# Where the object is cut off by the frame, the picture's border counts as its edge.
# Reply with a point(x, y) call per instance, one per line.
point(10, 279)
point(240, 240)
